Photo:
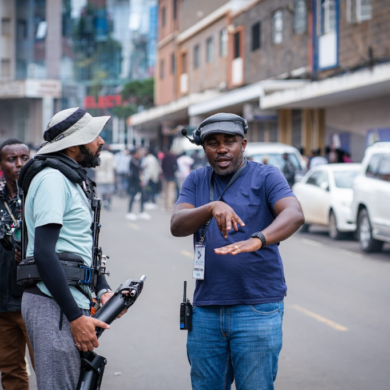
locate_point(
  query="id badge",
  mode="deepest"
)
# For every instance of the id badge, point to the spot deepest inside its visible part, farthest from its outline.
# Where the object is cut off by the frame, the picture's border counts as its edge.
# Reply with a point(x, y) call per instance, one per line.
point(199, 262)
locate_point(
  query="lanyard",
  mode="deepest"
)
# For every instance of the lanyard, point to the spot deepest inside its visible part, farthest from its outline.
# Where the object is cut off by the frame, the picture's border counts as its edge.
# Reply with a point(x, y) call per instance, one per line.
point(232, 180)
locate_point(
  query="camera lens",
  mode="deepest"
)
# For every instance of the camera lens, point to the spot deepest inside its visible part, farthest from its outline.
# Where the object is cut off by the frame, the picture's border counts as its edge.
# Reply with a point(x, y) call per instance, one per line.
point(17, 235)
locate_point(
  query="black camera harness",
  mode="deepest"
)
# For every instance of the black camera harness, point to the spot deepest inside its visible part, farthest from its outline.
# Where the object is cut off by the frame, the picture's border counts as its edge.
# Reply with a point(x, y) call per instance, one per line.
point(76, 272)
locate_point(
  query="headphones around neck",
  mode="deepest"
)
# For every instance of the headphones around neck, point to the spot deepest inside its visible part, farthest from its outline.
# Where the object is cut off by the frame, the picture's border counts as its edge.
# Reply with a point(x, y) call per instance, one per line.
point(221, 117)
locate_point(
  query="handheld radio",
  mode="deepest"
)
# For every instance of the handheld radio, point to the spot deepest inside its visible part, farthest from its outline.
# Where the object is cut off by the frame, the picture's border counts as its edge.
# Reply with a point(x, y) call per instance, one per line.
point(185, 311)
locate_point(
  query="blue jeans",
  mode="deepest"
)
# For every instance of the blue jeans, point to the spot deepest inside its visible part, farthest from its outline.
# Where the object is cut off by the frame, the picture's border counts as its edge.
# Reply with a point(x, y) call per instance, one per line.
point(240, 342)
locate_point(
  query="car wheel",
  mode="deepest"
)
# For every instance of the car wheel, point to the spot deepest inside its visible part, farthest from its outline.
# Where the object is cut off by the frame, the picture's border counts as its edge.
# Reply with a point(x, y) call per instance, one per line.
point(334, 233)
point(304, 228)
point(367, 242)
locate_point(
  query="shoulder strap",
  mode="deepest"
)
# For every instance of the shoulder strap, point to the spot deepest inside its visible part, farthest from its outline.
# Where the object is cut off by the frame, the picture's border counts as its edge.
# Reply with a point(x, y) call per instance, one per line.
point(69, 168)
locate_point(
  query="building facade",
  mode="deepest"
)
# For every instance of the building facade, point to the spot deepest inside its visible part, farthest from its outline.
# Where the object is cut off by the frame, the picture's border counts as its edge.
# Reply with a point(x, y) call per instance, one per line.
point(64, 53)
point(311, 73)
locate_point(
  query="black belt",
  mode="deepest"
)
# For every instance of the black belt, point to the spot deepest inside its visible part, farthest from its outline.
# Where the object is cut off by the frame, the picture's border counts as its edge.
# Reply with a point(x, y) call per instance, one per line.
point(76, 272)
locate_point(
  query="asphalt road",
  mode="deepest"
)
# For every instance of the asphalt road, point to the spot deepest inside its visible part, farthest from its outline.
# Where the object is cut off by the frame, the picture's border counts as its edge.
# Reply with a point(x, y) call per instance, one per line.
point(336, 326)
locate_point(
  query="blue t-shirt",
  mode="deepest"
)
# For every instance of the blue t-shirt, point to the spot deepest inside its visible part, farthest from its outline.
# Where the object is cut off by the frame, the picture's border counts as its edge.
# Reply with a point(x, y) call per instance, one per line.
point(247, 278)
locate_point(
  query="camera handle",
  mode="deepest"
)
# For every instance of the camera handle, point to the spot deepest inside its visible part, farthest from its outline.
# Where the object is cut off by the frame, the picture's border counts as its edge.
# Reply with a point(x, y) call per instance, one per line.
point(92, 365)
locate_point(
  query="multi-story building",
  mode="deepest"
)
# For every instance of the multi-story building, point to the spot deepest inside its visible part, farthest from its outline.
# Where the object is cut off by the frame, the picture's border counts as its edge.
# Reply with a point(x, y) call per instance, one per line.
point(311, 73)
point(350, 76)
point(62, 53)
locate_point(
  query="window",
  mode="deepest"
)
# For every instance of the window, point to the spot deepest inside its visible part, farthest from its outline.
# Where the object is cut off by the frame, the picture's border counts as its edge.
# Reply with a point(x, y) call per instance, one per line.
point(277, 28)
point(359, 10)
point(344, 179)
point(21, 29)
point(196, 56)
point(300, 16)
point(319, 179)
point(223, 42)
point(184, 63)
point(162, 70)
point(174, 9)
point(173, 63)
point(5, 68)
point(384, 168)
point(237, 45)
point(209, 50)
point(363, 10)
point(163, 16)
point(373, 165)
point(328, 16)
point(256, 36)
point(5, 26)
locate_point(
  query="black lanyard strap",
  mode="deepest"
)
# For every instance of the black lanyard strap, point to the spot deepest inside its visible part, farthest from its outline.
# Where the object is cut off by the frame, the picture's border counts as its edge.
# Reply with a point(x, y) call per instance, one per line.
point(212, 190)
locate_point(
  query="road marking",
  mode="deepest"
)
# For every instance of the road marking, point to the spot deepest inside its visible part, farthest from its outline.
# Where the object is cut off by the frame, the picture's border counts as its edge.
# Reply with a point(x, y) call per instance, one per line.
point(187, 254)
point(133, 226)
point(351, 253)
point(310, 242)
point(330, 323)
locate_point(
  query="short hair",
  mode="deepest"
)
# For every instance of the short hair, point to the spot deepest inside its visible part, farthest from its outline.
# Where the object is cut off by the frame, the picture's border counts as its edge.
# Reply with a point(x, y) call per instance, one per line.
point(8, 142)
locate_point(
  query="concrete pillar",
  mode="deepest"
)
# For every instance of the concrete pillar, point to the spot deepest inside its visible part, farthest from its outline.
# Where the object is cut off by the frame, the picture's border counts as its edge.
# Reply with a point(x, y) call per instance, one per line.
point(53, 38)
point(284, 126)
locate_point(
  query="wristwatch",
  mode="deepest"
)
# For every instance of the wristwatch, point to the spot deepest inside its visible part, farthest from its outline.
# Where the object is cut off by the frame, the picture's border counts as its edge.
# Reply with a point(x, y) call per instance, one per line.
point(261, 237)
point(101, 292)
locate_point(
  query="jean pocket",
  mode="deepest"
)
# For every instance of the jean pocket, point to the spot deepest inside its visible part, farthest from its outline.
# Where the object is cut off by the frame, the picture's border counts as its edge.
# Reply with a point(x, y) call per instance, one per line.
point(266, 309)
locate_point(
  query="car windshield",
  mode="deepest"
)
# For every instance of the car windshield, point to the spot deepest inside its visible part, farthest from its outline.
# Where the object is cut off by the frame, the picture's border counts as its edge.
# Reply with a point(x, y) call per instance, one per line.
point(276, 159)
point(344, 179)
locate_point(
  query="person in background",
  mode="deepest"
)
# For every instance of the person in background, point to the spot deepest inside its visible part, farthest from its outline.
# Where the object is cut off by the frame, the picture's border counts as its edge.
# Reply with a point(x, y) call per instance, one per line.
point(317, 159)
point(265, 160)
point(136, 187)
point(105, 177)
point(288, 170)
point(199, 162)
point(184, 164)
point(169, 168)
point(122, 159)
point(13, 333)
point(150, 176)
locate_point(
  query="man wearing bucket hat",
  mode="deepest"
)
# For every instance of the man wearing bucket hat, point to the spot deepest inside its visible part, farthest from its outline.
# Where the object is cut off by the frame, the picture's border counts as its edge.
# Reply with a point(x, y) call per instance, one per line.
point(58, 217)
point(238, 211)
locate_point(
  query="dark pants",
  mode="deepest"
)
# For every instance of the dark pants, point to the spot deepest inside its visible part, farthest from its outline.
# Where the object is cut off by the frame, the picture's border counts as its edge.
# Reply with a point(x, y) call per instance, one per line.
point(13, 340)
point(133, 192)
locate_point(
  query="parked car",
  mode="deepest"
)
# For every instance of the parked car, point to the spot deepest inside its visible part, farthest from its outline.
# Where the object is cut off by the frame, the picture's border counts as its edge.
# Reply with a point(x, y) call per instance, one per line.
point(325, 194)
point(273, 152)
point(371, 198)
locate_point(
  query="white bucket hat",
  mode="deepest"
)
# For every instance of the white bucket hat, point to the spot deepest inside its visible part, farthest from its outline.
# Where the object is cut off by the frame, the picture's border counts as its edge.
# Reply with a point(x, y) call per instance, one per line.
point(71, 127)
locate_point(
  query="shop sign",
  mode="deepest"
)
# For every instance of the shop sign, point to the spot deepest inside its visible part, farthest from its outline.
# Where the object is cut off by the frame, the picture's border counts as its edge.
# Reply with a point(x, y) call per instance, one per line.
point(42, 88)
point(11, 89)
point(108, 101)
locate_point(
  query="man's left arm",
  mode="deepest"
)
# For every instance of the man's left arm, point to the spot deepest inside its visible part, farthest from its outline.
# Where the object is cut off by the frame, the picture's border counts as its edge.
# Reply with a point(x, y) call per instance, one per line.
point(288, 221)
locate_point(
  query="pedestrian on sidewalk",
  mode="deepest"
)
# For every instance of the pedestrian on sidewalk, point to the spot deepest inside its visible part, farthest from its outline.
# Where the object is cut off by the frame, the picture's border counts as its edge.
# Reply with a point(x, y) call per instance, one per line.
point(238, 212)
point(13, 333)
point(169, 168)
point(150, 176)
point(105, 177)
point(122, 159)
point(136, 187)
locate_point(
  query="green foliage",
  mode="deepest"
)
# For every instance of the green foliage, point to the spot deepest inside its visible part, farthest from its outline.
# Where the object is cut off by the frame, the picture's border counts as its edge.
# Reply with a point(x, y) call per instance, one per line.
point(139, 92)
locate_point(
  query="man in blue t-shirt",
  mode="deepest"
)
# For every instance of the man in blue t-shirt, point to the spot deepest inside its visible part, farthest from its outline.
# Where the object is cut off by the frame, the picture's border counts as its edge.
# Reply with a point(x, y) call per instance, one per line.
point(238, 300)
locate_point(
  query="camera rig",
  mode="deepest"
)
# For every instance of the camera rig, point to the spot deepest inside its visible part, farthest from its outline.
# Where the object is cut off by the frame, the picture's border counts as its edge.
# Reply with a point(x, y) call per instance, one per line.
point(92, 365)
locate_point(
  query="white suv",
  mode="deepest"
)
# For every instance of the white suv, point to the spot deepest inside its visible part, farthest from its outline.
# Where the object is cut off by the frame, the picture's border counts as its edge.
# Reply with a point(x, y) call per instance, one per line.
point(371, 198)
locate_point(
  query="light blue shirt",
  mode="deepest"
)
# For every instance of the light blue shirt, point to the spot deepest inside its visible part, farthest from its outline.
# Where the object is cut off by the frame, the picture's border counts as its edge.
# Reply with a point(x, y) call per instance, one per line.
point(52, 198)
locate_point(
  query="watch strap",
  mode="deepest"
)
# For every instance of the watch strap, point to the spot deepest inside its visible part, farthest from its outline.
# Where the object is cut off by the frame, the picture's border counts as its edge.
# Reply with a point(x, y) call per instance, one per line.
point(261, 237)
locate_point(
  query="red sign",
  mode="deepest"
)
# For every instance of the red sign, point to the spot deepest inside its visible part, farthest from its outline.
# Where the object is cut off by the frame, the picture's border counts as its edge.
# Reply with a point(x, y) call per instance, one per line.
point(109, 101)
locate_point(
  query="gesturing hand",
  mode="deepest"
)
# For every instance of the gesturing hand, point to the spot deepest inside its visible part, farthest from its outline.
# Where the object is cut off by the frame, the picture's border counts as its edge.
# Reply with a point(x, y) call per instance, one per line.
point(83, 332)
point(225, 217)
point(251, 245)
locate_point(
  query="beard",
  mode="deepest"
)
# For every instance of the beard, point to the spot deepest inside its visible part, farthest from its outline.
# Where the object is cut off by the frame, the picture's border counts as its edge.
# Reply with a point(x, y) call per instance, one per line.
point(88, 159)
point(236, 163)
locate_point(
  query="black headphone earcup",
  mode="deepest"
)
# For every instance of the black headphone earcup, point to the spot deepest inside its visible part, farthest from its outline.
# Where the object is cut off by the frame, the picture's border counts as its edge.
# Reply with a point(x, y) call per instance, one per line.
point(196, 137)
